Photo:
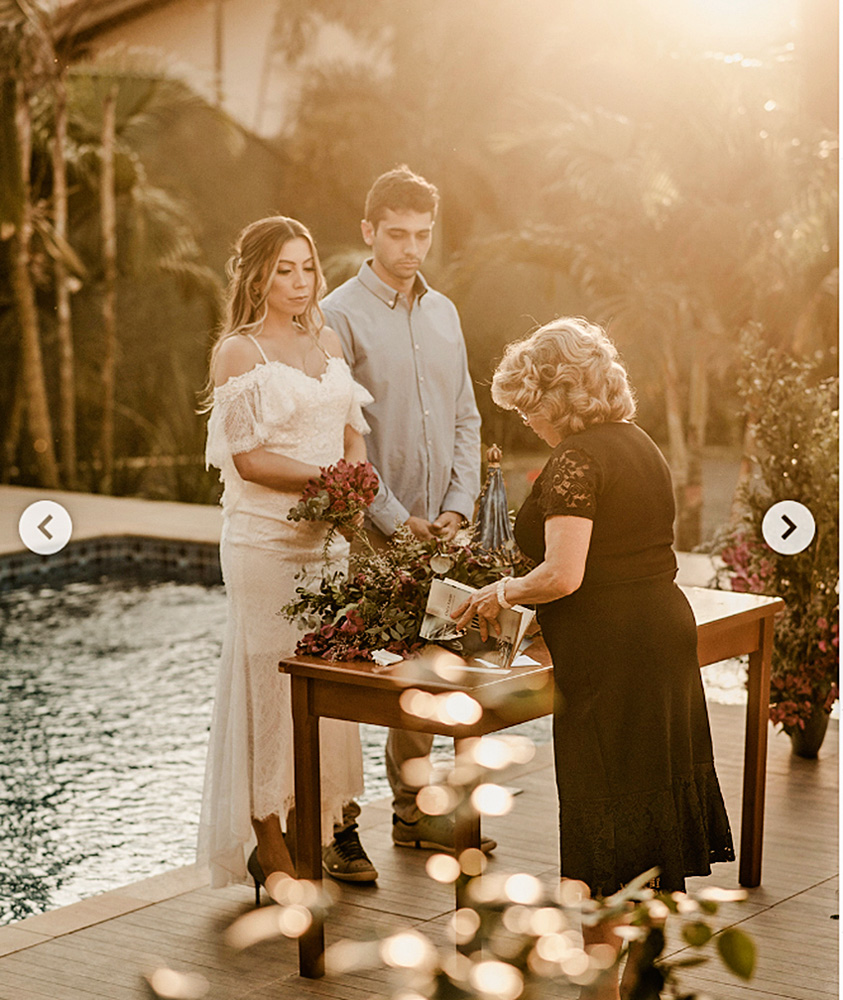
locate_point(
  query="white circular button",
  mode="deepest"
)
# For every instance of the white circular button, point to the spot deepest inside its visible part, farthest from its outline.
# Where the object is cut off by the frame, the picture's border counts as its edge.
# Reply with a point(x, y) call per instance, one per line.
point(45, 527)
point(788, 527)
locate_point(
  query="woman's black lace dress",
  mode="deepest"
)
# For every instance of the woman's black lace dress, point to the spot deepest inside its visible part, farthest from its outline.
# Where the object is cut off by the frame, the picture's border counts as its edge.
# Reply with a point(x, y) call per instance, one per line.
point(634, 766)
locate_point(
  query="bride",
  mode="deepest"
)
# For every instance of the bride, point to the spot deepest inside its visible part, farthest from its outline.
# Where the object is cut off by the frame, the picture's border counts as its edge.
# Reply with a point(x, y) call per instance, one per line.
point(282, 404)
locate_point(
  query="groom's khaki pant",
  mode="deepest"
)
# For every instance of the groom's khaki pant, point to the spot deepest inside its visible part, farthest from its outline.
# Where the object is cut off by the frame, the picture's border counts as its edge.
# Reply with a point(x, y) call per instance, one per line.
point(401, 745)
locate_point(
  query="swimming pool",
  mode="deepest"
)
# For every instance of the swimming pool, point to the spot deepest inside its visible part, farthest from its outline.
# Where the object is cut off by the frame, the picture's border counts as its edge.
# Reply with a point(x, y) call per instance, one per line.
point(106, 691)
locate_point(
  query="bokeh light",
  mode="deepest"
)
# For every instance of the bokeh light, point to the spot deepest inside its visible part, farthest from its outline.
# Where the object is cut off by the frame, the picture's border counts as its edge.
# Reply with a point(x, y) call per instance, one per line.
point(436, 800)
point(497, 979)
point(458, 708)
point(422, 704)
point(547, 920)
point(457, 966)
point(517, 919)
point(553, 948)
point(465, 923)
point(601, 956)
point(473, 862)
point(524, 889)
point(257, 925)
point(293, 921)
point(488, 889)
point(572, 892)
point(492, 753)
point(292, 892)
point(714, 894)
point(491, 800)
point(443, 868)
point(172, 985)
point(408, 950)
point(346, 956)
point(417, 771)
point(576, 965)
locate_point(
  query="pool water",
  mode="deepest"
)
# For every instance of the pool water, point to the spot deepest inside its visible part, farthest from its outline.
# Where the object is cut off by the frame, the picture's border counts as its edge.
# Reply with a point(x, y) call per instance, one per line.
point(106, 691)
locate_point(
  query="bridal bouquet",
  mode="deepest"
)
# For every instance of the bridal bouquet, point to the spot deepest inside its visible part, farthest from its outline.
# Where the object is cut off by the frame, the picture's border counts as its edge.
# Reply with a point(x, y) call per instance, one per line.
point(338, 495)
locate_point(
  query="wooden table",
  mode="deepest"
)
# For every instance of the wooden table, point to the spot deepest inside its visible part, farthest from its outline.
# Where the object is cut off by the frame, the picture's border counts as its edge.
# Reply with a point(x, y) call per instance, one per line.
point(728, 624)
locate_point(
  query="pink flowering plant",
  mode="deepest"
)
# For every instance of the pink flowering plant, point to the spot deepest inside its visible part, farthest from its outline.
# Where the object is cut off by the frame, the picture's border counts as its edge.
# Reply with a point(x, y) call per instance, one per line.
point(793, 417)
point(380, 603)
point(339, 495)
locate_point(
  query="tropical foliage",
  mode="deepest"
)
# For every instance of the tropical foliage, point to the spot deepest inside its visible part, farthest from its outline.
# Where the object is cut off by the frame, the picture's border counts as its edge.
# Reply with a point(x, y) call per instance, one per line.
point(81, 216)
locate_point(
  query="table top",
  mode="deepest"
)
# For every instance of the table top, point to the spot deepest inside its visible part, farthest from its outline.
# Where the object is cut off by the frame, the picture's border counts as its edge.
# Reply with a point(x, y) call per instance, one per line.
point(436, 669)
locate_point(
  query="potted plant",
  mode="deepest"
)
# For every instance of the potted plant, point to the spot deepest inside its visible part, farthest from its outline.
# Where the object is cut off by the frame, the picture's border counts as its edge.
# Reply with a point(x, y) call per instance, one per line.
point(792, 415)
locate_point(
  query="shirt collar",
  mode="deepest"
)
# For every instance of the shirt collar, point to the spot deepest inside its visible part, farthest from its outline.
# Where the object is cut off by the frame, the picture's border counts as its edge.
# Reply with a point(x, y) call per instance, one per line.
point(384, 291)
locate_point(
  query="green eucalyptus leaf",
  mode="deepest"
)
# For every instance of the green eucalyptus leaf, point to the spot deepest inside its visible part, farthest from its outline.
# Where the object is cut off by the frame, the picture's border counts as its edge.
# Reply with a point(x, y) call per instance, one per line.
point(689, 963)
point(737, 950)
point(697, 934)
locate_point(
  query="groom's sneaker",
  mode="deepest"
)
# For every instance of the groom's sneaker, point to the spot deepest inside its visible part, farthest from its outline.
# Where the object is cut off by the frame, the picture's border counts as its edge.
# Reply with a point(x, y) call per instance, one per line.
point(345, 859)
point(432, 833)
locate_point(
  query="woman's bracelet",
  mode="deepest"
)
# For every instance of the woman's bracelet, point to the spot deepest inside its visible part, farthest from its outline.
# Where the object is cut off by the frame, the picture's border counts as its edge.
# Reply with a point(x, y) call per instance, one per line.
point(500, 592)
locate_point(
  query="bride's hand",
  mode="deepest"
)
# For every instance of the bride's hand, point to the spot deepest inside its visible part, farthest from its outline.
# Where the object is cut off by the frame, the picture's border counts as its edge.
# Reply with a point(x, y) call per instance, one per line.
point(485, 605)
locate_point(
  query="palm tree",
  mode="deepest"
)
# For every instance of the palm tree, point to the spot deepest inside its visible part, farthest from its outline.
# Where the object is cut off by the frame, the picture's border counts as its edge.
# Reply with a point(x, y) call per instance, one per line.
point(25, 65)
point(156, 234)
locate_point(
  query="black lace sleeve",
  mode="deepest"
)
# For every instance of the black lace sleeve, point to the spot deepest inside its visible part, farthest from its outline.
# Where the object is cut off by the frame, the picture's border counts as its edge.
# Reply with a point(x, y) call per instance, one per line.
point(569, 484)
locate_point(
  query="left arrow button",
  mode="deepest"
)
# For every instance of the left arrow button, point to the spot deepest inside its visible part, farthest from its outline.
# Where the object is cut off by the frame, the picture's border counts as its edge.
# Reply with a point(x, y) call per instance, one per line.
point(45, 527)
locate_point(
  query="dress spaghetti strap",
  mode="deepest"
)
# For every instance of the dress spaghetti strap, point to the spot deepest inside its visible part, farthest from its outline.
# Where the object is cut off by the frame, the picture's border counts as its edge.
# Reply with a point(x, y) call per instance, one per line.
point(254, 340)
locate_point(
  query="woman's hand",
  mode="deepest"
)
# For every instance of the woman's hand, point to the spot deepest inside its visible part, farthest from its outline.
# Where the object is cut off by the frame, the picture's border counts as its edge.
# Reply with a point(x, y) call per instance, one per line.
point(485, 605)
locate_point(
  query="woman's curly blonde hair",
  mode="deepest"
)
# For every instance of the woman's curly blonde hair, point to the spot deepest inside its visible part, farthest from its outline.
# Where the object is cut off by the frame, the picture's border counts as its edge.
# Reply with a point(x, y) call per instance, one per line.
point(568, 372)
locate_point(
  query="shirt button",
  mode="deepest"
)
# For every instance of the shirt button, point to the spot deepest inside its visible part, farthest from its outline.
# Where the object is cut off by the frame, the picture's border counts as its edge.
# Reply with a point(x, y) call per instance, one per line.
point(421, 378)
point(417, 346)
point(427, 413)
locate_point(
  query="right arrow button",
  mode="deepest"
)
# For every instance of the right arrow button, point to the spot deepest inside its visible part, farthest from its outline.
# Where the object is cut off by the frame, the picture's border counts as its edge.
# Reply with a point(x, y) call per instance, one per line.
point(799, 527)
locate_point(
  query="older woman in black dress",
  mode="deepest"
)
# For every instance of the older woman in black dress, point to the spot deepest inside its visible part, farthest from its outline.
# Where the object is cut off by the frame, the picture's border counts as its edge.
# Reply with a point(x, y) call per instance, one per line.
point(634, 766)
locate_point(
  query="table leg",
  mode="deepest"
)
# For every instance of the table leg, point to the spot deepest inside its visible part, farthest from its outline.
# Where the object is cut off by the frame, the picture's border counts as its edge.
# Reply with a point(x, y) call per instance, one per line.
point(755, 757)
point(466, 829)
point(308, 819)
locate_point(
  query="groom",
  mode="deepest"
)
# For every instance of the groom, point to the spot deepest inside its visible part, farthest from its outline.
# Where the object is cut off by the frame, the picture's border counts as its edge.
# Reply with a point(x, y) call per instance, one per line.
point(403, 342)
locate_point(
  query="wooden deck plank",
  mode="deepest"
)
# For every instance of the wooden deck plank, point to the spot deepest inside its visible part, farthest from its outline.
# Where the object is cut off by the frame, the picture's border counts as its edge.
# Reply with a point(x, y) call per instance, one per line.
point(789, 915)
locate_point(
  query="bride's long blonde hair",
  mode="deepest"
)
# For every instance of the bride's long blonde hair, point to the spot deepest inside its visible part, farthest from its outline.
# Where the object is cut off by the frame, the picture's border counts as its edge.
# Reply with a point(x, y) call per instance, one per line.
point(250, 271)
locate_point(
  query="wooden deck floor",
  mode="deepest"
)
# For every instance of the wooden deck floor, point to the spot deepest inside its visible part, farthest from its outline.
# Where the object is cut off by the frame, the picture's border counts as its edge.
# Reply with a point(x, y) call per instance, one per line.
point(100, 948)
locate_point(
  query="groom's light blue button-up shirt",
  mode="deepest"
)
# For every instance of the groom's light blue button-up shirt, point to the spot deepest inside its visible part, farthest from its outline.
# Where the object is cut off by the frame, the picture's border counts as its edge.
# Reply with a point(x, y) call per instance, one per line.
point(425, 440)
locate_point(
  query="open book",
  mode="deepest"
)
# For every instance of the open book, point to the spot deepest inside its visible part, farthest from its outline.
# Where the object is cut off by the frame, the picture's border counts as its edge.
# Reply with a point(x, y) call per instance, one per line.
point(438, 626)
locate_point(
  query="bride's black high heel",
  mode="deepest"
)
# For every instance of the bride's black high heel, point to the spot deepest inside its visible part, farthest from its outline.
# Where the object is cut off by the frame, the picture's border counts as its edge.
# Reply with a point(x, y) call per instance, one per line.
point(255, 870)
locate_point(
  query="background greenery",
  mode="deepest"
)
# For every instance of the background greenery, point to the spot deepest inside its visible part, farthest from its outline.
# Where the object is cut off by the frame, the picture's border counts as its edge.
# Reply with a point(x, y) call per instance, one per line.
point(611, 159)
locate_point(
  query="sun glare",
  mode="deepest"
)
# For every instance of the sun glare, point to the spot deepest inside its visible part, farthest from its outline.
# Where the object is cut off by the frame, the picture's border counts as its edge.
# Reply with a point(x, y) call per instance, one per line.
point(730, 24)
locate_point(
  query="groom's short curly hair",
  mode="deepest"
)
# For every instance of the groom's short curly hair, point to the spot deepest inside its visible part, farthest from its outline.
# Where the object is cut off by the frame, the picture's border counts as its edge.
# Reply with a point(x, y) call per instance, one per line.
point(400, 190)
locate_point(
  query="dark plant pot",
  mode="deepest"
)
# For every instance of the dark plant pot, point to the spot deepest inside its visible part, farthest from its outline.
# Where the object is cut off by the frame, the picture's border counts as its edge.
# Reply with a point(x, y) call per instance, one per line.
point(807, 742)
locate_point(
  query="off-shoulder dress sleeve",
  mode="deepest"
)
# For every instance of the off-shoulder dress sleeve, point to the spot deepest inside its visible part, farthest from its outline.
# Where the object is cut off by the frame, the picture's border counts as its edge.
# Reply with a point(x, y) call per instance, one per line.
point(570, 484)
point(245, 410)
point(360, 397)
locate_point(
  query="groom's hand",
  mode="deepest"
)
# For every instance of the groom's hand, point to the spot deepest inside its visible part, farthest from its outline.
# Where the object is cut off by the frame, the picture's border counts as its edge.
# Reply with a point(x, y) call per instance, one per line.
point(445, 526)
point(421, 528)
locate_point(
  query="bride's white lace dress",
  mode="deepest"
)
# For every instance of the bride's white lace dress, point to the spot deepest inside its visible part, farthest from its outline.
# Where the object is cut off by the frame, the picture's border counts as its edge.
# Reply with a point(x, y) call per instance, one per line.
point(249, 770)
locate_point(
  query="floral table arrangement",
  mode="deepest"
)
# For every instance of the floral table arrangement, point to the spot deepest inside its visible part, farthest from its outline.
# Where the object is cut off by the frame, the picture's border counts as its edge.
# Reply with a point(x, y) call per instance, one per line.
point(380, 603)
point(793, 414)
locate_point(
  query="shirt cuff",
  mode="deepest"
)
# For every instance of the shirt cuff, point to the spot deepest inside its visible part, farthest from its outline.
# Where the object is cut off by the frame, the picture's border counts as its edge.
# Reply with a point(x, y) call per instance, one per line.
point(387, 514)
point(460, 502)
